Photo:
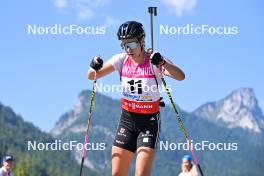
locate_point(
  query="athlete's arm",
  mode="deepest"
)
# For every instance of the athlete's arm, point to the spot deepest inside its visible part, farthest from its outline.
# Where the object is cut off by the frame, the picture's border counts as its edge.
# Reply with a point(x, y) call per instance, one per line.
point(173, 71)
point(170, 69)
point(105, 70)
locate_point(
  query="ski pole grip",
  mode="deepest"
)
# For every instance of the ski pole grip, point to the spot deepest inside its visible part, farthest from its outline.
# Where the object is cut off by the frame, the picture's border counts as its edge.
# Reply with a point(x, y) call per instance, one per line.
point(153, 10)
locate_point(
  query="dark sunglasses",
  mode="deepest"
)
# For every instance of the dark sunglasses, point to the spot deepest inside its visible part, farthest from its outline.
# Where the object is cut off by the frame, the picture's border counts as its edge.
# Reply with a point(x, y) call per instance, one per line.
point(130, 45)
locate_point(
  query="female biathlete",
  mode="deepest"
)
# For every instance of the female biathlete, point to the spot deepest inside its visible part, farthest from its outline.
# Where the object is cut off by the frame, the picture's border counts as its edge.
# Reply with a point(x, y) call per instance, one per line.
point(140, 73)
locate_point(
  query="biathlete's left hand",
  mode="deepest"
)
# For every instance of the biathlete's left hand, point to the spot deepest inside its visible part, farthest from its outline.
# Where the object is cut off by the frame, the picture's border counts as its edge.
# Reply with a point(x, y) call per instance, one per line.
point(157, 59)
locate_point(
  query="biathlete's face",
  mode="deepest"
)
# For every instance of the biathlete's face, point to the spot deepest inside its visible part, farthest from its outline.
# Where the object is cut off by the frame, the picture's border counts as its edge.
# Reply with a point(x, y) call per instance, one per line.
point(8, 164)
point(187, 165)
point(132, 46)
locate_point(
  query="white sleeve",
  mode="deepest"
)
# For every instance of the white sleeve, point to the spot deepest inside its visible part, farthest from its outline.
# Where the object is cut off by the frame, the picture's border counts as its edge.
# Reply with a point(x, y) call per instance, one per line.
point(2, 172)
point(195, 171)
point(117, 60)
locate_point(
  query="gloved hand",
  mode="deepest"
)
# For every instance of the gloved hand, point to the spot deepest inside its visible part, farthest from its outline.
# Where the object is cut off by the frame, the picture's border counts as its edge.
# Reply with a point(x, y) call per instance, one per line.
point(157, 59)
point(97, 63)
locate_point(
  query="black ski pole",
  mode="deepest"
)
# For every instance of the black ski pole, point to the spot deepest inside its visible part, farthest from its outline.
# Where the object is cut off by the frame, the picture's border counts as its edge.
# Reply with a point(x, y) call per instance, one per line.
point(153, 12)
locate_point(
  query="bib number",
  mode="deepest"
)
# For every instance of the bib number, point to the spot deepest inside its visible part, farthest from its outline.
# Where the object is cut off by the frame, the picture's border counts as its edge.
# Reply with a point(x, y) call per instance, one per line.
point(135, 84)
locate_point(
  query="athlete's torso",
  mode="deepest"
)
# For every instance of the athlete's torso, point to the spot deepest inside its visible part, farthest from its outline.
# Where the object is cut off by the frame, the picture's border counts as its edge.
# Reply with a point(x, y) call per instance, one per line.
point(139, 87)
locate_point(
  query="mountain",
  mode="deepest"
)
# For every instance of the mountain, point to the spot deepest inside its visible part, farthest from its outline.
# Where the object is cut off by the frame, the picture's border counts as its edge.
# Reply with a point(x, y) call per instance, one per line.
point(17, 138)
point(227, 150)
point(239, 109)
point(72, 125)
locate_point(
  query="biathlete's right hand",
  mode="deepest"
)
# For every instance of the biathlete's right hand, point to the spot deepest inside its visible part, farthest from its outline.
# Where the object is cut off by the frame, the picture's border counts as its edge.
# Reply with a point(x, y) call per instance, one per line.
point(97, 63)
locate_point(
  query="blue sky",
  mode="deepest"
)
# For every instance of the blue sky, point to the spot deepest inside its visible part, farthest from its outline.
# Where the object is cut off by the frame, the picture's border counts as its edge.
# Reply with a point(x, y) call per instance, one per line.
point(42, 75)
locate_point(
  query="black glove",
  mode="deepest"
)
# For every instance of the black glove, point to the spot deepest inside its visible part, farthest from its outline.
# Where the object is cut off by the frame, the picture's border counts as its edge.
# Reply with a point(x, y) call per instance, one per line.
point(156, 59)
point(97, 63)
